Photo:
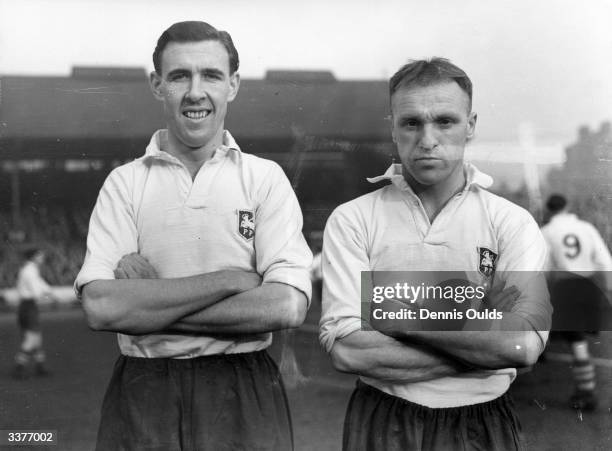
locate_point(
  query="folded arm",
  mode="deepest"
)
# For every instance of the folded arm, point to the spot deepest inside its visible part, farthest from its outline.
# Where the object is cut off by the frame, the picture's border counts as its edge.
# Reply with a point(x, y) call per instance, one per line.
point(372, 354)
point(269, 307)
point(140, 306)
point(513, 343)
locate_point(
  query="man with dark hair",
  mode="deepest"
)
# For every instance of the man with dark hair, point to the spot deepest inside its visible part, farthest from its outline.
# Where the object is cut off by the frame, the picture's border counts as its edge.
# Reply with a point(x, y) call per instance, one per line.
point(32, 289)
point(195, 255)
point(431, 389)
point(580, 267)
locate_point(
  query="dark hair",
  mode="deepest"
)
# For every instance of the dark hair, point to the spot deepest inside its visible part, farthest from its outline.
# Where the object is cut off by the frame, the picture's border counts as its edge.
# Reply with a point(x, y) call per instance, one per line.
point(29, 254)
point(556, 203)
point(428, 73)
point(195, 31)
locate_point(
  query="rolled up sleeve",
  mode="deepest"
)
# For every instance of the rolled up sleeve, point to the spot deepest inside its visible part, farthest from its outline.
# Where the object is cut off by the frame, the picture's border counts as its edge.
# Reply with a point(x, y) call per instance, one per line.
point(280, 248)
point(344, 258)
point(112, 232)
point(523, 264)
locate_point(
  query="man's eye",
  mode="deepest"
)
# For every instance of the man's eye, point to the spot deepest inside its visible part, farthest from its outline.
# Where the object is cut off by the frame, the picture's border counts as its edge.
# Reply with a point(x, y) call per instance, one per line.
point(445, 122)
point(178, 77)
point(410, 123)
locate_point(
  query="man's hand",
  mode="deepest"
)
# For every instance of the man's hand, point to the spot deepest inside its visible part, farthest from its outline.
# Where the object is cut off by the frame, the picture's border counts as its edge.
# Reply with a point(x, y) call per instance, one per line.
point(500, 299)
point(134, 266)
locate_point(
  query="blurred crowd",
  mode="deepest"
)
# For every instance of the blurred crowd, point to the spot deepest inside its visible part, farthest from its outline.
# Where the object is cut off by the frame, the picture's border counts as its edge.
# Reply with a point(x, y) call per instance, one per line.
point(60, 231)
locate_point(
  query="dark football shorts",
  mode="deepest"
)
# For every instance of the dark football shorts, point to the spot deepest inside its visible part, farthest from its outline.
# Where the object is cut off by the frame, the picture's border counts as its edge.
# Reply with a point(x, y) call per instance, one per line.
point(377, 421)
point(578, 307)
point(218, 403)
point(27, 315)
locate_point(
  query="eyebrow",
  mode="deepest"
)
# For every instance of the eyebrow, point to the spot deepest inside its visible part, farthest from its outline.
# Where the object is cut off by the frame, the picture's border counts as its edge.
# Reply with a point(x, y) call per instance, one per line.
point(436, 116)
point(207, 71)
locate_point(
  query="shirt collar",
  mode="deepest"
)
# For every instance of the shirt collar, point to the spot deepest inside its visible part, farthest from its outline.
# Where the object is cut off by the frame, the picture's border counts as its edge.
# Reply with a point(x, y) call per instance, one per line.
point(153, 149)
point(562, 215)
point(472, 174)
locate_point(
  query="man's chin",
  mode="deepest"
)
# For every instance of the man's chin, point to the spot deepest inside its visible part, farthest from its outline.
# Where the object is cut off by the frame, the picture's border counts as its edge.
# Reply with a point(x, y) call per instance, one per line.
point(428, 178)
point(196, 142)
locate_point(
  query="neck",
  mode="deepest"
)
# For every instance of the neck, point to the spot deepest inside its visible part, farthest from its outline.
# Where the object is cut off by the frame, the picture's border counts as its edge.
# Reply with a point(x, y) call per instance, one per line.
point(192, 157)
point(434, 197)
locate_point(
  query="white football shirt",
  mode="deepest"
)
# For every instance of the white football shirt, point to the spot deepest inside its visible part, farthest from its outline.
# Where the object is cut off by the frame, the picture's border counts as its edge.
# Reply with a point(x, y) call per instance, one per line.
point(238, 213)
point(389, 230)
point(576, 246)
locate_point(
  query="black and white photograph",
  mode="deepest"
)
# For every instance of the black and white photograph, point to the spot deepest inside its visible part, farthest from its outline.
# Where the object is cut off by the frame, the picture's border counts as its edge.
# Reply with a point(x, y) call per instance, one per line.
point(305, 226)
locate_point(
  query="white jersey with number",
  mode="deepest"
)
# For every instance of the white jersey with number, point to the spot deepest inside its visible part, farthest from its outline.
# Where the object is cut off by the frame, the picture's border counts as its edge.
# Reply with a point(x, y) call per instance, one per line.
point(575, 246)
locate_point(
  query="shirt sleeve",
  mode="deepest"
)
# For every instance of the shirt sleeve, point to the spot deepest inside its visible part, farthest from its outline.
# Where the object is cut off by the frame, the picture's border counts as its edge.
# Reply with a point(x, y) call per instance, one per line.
point(344, 258)
point(112, 232)
point(523, 259)
point(602, 260)
point(280, 248)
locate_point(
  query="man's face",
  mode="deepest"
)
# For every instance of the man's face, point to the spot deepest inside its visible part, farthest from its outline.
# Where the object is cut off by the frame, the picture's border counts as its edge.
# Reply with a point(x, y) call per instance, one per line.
point(431, 125)
point(195, 87)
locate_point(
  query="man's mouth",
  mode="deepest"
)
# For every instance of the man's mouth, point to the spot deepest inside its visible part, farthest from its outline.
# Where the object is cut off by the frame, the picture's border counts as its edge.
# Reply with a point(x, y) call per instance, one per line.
point(200, 114)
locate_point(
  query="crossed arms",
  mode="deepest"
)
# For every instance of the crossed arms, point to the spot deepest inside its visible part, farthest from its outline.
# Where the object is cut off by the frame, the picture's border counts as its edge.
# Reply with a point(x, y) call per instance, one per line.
point(394, 354)
point(133, 300)
point(220, 302)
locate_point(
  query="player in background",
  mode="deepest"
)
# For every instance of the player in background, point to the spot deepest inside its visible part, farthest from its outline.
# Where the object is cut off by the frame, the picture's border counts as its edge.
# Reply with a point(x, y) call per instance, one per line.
point(433, 390)
point(32, 289)
point(195, 254)
point(580, 267)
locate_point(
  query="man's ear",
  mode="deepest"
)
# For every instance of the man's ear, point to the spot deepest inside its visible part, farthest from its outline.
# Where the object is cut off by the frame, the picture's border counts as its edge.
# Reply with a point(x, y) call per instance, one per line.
point(234, 86)
point(471, 125)
point(155, 82)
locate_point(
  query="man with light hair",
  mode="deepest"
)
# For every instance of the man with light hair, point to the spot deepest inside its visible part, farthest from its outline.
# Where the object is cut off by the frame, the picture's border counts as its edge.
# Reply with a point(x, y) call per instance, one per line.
point(431, 389)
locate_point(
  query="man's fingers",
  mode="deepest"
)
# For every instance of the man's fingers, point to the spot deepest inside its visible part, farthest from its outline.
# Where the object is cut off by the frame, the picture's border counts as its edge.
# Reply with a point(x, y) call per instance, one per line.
point(120, 273)
point(504, 299)
point(135, 266)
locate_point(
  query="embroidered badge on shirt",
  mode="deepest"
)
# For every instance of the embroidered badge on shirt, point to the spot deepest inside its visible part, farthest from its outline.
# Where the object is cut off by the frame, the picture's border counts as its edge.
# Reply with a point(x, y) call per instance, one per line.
point(246, 224)
point(486, 261)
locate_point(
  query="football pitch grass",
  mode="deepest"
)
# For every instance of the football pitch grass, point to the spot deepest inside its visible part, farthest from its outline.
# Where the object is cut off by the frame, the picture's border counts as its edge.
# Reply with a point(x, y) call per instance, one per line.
point(81, 362)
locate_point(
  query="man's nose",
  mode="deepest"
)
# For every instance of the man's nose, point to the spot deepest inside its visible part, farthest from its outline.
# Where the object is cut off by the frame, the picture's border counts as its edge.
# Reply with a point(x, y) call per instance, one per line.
point(428, 140)
point(197, 89)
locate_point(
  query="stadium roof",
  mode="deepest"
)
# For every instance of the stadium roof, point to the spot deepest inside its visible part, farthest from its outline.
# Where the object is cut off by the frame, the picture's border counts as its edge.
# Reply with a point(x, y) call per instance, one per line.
point(96, 111)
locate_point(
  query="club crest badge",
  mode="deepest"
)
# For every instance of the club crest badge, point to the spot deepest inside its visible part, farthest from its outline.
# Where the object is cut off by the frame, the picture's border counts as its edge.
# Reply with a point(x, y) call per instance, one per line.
point(246, 224)
point(486, 261)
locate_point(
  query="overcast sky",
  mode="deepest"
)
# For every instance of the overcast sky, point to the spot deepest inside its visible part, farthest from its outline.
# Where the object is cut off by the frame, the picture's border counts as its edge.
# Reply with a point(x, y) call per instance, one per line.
point(545, 62)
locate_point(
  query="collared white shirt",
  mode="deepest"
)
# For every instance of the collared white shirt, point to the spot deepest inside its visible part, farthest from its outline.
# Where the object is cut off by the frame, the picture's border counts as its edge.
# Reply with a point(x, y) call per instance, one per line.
point(389, 230)
point(30, 284)
point(238, 213)
point(576, 246)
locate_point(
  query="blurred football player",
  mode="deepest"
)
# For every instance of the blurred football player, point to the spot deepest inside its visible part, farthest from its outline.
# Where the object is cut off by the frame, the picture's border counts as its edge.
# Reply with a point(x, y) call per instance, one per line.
point(580, 267)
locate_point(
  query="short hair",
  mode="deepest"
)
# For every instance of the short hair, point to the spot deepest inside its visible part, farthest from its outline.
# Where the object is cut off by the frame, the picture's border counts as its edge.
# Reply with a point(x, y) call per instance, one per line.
point(428, 72)
point(29, 254)
point(556, 203)
point(195, 31)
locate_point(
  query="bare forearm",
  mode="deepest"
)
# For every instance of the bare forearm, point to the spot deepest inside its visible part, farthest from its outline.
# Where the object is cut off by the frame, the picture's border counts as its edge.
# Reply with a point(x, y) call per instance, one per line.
point(484, 349)
point(485, 343)
point(139, 306)
point(372, 354)
point(269, 307)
